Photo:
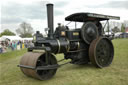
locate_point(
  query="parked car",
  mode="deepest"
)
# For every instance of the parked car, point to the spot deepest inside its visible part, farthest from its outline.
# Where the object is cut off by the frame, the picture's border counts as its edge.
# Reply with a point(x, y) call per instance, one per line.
point(123, 35)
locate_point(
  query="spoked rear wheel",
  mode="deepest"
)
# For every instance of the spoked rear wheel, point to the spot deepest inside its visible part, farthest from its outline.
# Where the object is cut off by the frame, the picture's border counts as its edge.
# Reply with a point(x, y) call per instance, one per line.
point(36, 60)
point(101, 52)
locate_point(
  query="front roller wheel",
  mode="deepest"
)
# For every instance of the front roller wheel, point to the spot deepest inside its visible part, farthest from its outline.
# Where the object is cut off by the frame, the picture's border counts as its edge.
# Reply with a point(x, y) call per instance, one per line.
point(35, 60)
point(101, 52)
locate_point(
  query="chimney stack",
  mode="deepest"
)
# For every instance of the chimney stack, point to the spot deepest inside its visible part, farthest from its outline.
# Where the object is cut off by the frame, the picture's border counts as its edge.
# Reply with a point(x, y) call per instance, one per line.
point(50, 20)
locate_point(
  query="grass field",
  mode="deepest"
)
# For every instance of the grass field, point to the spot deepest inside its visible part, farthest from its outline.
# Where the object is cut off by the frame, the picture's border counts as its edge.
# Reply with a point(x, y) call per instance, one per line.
point(115, 74)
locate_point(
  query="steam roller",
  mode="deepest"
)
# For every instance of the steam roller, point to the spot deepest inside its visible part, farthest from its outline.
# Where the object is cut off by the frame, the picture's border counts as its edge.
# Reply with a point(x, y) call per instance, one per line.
point(82, 45)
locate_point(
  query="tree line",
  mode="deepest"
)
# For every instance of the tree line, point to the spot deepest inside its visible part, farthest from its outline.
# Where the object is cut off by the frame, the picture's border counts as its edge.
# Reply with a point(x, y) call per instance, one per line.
point(117, 26)
point(24, 30)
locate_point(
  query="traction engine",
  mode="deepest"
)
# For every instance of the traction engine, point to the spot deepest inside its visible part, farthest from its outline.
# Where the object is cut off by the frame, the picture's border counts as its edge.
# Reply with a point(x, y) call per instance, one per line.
point(84, 45)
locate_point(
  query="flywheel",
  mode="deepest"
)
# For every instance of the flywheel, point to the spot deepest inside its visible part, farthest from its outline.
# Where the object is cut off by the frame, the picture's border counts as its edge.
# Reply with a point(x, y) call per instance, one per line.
point(33, 60)
point(101, 52)
point(89, 32)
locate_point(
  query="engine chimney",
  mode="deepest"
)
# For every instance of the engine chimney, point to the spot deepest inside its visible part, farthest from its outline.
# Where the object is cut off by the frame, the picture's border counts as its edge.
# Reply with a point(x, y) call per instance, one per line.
point(50, 19)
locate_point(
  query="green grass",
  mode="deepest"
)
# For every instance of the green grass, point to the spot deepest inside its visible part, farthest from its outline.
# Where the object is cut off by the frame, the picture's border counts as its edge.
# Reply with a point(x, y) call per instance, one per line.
point(11, 54)
point(115, 74)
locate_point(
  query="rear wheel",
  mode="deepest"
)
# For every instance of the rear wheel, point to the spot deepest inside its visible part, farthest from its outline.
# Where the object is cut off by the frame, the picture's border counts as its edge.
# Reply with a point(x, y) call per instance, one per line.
point(101, 52)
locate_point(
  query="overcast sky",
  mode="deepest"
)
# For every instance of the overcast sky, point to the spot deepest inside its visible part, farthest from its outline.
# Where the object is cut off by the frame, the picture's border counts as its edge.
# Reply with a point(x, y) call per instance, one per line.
point(14, 12)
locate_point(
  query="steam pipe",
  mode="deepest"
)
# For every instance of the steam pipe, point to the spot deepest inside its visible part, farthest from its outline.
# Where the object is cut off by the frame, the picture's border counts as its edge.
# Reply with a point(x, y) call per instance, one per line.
point(50, 20)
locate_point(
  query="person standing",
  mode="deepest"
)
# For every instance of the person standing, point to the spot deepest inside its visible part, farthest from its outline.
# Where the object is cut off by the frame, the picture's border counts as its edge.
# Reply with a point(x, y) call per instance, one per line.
point(15, 45)
point(12, 45)
point(0, 47)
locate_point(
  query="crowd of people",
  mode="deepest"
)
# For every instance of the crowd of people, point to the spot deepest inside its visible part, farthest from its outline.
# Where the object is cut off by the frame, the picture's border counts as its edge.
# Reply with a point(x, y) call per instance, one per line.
point(6, 46)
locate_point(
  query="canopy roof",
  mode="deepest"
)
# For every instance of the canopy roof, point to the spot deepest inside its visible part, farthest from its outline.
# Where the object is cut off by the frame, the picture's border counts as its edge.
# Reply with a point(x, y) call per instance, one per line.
point(83, 17)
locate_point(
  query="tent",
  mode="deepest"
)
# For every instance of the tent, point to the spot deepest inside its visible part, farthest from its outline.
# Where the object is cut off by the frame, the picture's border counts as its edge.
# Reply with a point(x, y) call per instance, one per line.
point(29, 39)
point(11, 38)
point(2, 39)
